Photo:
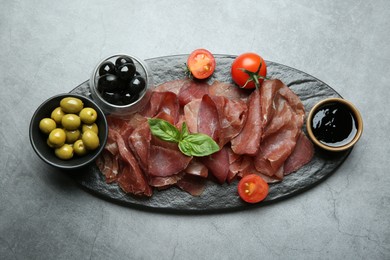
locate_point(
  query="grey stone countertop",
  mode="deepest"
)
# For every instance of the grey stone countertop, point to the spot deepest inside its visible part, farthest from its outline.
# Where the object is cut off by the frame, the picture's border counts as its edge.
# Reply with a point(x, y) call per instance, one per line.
point(49, 48)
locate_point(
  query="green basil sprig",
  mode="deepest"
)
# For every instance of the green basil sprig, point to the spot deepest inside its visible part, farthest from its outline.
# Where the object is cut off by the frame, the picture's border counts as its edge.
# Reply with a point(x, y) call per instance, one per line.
point(190, 144)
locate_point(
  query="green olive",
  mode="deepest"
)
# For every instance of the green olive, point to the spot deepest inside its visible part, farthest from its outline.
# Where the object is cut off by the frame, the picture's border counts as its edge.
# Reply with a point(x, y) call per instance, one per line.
point(50, 144)
point(93, 127)
point(72, 135)
point(57, 137)
point(79, 148)
point(64, 152)
point(88, 115)
point(47, 125)
point(71, 121)
point(90, 140)
point(57, 115)
point(71, 105)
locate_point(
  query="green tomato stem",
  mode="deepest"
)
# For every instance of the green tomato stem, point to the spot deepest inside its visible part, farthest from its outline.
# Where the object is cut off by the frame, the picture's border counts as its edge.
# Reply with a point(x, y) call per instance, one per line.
point(253, 76)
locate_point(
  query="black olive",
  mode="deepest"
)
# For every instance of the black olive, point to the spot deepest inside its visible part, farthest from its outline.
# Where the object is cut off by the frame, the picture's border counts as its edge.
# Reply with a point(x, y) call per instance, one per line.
point(137, 85)
point(126, 71)
point(123, 60)
point(117, 98)
point(108, 83)
point(106, 67)
point(108, 96)
point(122, 85)
point(127, 98)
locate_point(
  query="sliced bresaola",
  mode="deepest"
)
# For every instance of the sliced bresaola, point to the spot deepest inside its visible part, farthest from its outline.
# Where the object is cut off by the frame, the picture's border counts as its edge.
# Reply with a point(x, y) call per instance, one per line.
point(194, 185)
point(283, 120)
point(191, 111)
point(228, 90)
point(111, 145)
point(244, 166)
point(108, 164)
point(279, 106)
point(139, 142)
point(231, 116)
point(166, 102)
point(131, 178)
point(264, 127)
point(208, 120)
point(248, 140)
point(195, 167)
point(165, 182)
point(218, 164)
point(192, 90)
point(173, 86)
point(302, 154)
point(268, 91)
point(166, 162)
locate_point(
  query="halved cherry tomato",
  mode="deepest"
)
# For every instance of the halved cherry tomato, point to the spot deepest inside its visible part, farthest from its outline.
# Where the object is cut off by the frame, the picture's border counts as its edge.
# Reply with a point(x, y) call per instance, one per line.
point(249, 70)
point(252, 188)
point(201, 63)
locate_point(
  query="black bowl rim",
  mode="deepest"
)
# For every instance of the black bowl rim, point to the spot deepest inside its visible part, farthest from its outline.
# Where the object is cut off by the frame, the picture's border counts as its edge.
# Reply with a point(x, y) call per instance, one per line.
point(74, 166)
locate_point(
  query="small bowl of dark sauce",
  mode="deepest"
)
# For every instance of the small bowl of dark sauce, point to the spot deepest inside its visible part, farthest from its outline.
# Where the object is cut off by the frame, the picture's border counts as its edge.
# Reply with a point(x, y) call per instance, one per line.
point(334, 124)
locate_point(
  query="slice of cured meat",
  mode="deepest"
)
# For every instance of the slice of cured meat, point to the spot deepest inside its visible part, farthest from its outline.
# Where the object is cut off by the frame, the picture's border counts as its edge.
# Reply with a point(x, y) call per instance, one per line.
point(231, 115)
point(131, 178)
point(166, 162)
point(274, 151)
point(243, 166)
point(139, 142)
point(228, 90)
point(108, 164)
point(192, 90)
point(173, 86)
point(164, 182)
point(302, 154)
point(248, 140)
point(269, 90)
point(208, 121)
point(194, 185)
point(166, 102)
point(195, 167)
point(218, 164)
point(283, 120)
point(191, 111)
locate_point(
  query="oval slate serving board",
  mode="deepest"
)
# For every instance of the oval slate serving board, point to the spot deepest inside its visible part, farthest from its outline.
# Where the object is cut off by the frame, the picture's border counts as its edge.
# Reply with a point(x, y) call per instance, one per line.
point(217, 198)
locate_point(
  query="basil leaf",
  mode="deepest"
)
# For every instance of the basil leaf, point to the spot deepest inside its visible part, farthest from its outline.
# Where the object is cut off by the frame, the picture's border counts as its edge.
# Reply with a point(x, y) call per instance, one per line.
point(164, 130)
point(189, 144)
point(198, 145)
point(184, 131)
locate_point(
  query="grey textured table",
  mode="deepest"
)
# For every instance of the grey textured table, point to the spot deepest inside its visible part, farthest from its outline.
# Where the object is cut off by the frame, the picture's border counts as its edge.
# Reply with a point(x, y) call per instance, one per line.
point(49, 48)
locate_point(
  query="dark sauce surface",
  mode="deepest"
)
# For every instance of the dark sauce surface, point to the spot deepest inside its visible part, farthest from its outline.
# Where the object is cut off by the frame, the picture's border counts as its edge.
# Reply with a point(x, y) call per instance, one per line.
point(334, 125)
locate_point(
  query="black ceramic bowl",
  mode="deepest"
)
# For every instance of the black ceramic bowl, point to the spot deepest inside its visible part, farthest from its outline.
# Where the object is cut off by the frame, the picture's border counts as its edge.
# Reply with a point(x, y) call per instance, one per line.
point(39, 140)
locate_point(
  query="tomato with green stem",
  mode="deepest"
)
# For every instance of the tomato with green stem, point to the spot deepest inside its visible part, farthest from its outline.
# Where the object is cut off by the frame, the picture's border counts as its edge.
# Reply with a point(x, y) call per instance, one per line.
point(249, 70)
point(252, 188)
point(201, 63)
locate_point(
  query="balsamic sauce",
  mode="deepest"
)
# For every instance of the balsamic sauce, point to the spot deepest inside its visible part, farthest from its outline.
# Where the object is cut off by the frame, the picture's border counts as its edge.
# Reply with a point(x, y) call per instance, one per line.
point(334, 124)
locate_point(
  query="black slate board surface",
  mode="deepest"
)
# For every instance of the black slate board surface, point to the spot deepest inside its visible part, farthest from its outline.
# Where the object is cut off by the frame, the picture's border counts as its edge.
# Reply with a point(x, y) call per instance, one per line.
point(221, 198)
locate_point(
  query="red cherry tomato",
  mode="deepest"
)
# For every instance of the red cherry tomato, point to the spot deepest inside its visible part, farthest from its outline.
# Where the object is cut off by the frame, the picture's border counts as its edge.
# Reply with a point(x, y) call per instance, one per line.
point(252, 188)
point(201, 63)
point(248, 70)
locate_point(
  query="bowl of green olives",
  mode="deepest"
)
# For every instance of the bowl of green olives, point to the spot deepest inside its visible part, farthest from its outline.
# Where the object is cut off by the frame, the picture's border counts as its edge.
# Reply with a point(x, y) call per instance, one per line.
point(68, 131)
point(120, 84)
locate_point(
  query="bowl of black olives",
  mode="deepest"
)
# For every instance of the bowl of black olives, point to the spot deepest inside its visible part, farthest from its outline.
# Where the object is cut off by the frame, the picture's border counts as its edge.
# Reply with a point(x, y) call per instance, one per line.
point(120, 84)
point(68, 131)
